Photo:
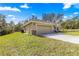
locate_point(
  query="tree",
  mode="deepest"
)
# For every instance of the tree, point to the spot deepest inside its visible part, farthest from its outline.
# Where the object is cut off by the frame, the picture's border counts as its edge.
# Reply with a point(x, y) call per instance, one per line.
point(18, 26)
point(2, 24)
point(33, 17)
point(54, 18)
point(72, 23)
point(12, 26)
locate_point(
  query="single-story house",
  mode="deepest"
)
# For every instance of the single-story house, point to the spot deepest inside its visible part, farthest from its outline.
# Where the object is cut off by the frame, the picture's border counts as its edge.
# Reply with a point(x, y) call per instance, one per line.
point(38, 27)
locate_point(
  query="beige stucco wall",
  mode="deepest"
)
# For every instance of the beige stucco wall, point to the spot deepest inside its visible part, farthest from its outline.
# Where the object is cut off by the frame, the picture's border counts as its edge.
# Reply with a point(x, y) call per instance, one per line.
point(40, 29)
point(29, 28)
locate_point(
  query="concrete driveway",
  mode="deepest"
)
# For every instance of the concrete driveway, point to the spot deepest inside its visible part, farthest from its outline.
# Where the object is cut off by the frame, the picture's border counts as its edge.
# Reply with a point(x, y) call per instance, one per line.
point(63, 37)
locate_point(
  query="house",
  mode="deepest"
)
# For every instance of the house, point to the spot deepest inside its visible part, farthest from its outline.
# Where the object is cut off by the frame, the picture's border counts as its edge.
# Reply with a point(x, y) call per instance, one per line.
point(38, 27)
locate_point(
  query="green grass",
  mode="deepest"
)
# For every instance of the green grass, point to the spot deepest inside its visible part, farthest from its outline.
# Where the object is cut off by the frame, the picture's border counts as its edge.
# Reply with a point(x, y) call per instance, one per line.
point(28, 45)
point(71, 33)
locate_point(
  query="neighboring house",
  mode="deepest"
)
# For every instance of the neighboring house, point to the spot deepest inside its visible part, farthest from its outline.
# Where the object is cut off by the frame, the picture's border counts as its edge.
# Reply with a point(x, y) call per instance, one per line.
point(38, 27)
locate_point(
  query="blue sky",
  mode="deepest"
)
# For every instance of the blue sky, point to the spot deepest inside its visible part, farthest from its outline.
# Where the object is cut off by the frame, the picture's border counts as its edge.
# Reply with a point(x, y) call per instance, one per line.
point(21, 11)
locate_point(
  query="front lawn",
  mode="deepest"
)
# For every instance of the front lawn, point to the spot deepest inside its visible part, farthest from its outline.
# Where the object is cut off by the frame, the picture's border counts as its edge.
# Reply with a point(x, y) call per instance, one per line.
point(28, 45)
point(72, 33)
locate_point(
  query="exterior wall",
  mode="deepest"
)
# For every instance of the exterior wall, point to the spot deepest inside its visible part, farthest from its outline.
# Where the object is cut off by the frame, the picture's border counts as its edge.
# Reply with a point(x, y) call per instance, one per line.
point(40, 29)
point(44, 29)
point(29, 28)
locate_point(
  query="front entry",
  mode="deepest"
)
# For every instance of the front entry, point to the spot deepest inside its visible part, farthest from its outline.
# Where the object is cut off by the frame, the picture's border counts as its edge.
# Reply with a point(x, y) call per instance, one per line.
point(33, 32)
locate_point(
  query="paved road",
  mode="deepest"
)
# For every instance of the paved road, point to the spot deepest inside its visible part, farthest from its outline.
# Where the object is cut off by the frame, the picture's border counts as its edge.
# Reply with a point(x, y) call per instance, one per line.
point(63, 37)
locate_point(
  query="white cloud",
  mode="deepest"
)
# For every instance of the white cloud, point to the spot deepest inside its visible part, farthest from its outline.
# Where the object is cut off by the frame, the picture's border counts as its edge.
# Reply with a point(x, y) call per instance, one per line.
point(76, 12)
point(24, 6)
point(65, 17)
point(67, 5)
point(9, 9)
point(70, 16)
point(11, 16)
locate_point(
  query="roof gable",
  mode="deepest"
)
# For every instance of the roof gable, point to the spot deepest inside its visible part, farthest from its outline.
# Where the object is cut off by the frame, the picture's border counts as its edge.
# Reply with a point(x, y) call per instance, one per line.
point(39, 23)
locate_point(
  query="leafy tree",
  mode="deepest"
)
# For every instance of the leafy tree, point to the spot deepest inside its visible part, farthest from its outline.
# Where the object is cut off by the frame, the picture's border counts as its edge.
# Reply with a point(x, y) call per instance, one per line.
point(12, 26)
point(72, 23)
point(18, 27)
point(2, 23)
